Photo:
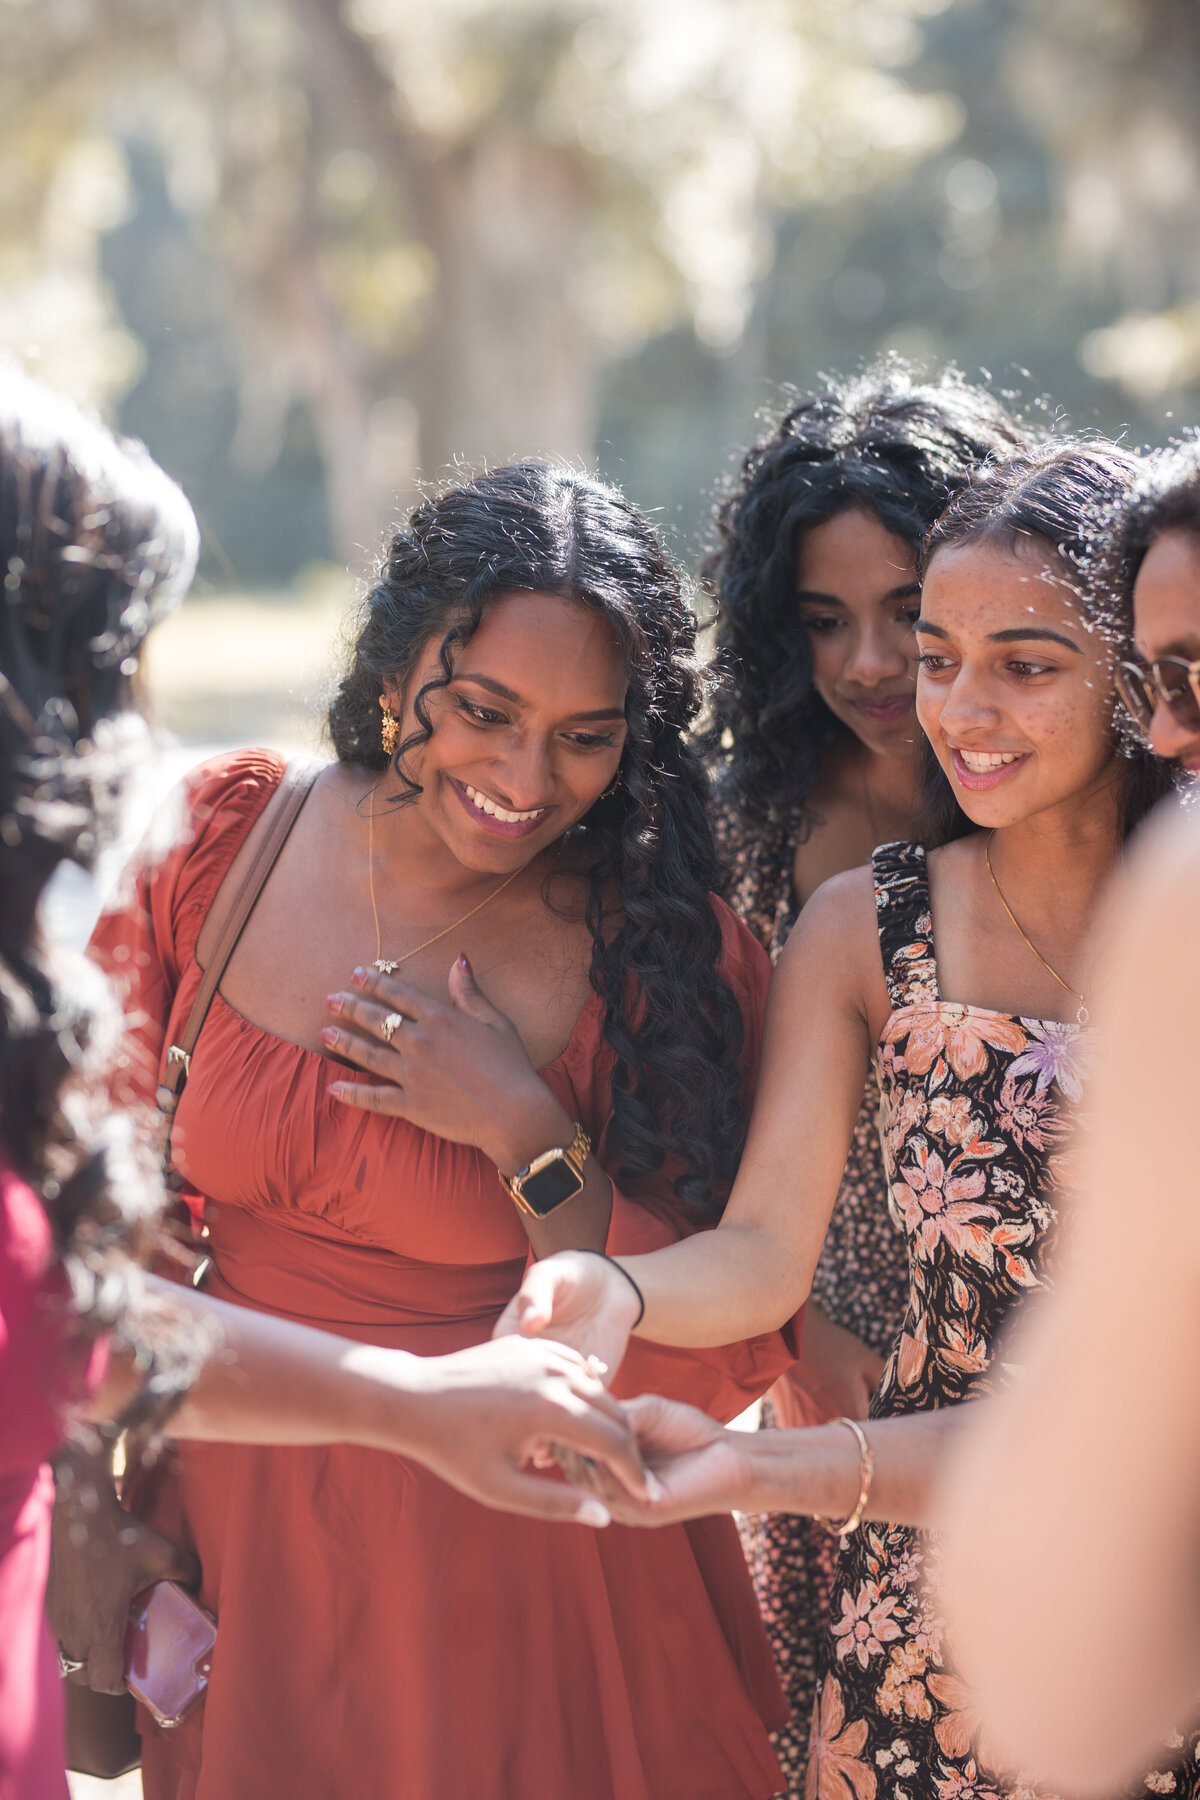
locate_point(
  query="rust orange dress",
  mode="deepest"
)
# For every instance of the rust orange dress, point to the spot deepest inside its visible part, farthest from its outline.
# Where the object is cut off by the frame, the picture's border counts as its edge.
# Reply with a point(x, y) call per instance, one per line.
point(380, 1636)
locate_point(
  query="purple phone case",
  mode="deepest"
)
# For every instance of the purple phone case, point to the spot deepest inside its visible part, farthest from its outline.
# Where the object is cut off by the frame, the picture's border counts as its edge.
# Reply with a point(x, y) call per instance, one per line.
point(168, 1650)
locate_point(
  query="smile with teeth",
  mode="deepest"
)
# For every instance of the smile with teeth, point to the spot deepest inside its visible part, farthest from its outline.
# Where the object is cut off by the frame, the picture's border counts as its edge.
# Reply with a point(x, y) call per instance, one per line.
point(499, 812)
point(982, 762)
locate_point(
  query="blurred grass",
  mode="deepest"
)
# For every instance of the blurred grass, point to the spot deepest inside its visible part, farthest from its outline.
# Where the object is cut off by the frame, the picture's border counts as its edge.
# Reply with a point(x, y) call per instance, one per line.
point(251, 668)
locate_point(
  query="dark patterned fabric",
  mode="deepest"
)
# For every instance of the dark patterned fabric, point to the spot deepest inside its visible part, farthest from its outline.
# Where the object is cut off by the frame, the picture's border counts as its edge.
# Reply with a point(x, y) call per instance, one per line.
point(975, 1107)
point(861, 1282)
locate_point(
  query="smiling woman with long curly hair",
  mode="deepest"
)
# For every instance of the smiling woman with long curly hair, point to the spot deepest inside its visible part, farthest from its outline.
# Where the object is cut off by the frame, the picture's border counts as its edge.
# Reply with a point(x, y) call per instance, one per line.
point(486, 1002)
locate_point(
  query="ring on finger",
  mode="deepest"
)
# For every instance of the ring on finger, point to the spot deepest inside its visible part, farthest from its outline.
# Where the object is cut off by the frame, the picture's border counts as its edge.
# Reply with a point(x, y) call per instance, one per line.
point(69, 1665)
point(390, 1025)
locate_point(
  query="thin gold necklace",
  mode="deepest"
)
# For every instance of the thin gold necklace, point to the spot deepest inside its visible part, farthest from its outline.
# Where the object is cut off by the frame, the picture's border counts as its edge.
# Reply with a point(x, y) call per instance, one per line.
point(387, 965)
point(1082, 1016)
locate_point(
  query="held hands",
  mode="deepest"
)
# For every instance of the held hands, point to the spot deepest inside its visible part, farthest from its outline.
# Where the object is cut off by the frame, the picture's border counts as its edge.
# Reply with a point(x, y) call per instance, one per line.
point(457, 1068)
point(697, 1466)
point(576, 1299)
point(499, 1405)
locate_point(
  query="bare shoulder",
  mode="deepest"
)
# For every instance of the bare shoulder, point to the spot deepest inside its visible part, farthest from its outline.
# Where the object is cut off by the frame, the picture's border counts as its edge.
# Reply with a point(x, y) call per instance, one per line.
point(955, 863)
point(836, 933)
point(331, 780)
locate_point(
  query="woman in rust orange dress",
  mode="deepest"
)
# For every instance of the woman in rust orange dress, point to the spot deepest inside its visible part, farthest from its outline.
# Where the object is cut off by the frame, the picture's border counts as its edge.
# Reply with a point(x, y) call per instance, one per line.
point(356, 1134)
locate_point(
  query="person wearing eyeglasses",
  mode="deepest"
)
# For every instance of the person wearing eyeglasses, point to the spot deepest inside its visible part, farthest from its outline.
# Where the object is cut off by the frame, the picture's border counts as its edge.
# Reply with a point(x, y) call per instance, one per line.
point(1153, 557)
point(1094, 1462)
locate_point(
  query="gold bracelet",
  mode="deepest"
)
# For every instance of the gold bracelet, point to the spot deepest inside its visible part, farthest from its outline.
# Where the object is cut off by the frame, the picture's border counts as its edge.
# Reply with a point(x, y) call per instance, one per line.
point(866, 1471)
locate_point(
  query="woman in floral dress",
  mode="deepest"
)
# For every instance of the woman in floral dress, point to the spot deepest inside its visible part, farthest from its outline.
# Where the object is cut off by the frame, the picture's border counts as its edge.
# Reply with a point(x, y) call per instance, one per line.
point(1035, 795)
point(813, 752)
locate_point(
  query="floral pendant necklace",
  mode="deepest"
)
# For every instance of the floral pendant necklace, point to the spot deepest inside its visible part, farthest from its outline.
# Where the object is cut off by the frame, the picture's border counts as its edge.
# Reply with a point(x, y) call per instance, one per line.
point(387, 965)
point(1083, 1015)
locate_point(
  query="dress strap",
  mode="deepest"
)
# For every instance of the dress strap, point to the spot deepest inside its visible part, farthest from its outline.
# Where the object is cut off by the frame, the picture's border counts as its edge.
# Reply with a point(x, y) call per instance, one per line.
point(905, 926)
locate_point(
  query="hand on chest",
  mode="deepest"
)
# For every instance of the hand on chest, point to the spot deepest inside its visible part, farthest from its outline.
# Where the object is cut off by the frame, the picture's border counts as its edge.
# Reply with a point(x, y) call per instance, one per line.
point(306, 937)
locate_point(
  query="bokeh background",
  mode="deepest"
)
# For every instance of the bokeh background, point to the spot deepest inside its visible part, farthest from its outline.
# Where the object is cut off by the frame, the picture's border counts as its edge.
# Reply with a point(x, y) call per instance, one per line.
point(314, 252)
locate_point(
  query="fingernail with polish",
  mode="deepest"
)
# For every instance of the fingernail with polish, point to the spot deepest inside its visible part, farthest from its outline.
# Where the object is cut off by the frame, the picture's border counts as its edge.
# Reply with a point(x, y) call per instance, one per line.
point(464, 965)
point(333, 1003)
point(592, 1513)
point(328, 1035)
point(358, 977)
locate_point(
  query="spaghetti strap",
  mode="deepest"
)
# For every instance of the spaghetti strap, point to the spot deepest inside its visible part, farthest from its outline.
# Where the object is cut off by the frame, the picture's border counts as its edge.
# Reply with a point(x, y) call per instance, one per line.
point(905, 925)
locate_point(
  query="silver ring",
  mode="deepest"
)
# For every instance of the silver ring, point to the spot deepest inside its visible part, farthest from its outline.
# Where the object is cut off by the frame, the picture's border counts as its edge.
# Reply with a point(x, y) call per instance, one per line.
point(391, 1024)
point(69, 1665)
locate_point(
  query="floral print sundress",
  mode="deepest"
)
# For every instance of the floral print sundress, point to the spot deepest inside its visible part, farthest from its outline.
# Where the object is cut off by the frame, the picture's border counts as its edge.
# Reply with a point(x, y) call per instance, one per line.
point(975, 1110)
point(861, 1282)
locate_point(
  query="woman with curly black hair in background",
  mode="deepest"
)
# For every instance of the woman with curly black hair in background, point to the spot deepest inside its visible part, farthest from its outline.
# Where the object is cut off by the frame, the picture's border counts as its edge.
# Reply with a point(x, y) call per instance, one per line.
point(813, 751)
point(485, 1002)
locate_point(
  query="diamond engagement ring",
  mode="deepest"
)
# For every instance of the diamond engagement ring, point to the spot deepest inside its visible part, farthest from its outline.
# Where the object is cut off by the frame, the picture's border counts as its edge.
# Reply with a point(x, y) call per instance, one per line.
point(391, 1024)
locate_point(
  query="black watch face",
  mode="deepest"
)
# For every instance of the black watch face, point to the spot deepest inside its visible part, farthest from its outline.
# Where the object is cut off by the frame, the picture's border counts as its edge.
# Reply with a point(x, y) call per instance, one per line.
point(550, 1187)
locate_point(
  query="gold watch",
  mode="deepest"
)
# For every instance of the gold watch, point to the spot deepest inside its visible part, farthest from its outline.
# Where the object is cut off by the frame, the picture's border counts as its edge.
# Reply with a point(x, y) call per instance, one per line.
point(551, 1179)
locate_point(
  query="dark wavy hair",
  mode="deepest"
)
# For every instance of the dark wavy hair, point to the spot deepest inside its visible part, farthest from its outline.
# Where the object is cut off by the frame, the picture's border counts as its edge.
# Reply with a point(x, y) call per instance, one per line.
point(669, 1015)
point(882, 441)
point(1165, 496)
point(1048, 497)
point(95, 545)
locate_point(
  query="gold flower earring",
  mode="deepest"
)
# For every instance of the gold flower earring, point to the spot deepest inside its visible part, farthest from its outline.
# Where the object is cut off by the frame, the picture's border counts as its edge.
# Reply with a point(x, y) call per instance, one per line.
point(391, 728)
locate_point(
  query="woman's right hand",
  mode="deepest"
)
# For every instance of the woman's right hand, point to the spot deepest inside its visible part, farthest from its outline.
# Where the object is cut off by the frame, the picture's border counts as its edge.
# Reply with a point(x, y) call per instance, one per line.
point(482, 1415)
point(576, 1299)
point(101, 1556)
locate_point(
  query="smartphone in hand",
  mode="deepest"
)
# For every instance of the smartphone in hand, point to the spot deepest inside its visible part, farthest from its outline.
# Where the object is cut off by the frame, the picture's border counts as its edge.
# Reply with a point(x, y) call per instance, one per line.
point(168, 1650)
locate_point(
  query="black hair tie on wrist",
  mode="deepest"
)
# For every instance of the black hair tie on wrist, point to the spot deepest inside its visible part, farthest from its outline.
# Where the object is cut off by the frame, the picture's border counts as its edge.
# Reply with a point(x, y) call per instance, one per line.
point(586, 1250)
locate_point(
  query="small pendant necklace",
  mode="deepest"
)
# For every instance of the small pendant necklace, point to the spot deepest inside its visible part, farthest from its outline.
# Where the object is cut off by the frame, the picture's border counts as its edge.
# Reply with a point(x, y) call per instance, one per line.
point(1082, 1016)
point(387, 965)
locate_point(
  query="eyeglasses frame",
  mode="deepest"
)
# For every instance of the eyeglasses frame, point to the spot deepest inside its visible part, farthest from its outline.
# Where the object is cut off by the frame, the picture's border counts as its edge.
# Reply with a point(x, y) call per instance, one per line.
point(1151, 671)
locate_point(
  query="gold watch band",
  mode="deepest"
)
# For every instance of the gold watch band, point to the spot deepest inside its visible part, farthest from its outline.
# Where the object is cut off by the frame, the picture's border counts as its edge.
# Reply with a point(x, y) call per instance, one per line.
point(575, 1154)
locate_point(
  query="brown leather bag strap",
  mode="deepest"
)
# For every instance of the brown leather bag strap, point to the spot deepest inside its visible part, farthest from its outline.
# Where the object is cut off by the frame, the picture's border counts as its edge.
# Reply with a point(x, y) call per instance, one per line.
point(285, 804)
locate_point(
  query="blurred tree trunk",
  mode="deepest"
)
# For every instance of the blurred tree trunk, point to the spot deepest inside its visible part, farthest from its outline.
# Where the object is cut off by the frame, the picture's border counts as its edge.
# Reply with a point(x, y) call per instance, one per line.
point(506, 367)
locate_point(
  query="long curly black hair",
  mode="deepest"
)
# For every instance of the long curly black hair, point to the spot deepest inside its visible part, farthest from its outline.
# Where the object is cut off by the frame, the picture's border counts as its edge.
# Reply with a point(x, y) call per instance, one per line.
point(1053, 494)
point(882, 441)
point(670, 1017)
point(95, 545)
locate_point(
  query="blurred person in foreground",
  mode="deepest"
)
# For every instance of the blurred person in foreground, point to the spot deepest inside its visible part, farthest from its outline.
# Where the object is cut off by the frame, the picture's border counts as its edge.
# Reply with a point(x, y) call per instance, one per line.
point(96, 544)
point(485, 1005)
point(1094, 1460)
point(969, 974)
point(814, 755)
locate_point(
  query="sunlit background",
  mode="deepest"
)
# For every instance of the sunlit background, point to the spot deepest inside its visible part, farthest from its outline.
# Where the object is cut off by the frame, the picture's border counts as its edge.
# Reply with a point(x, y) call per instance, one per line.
point(314, 251)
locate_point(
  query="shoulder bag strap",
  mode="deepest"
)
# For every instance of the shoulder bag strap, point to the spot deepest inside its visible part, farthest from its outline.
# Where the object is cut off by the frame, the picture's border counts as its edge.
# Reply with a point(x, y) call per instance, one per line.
point(294, 788)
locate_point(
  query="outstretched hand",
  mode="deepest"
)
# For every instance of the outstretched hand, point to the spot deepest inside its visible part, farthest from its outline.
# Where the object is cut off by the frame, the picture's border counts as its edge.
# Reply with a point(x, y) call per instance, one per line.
point(576, 1299)
point(497, 1407)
